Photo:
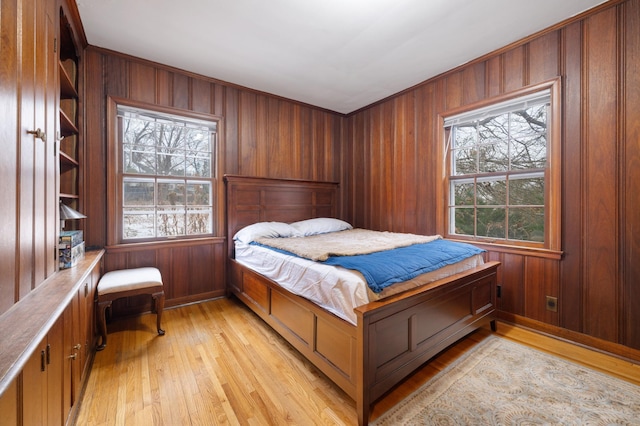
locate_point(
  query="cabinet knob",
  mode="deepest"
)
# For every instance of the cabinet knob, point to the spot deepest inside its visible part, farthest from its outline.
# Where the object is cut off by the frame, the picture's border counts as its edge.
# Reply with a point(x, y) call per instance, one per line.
point(74, 356)
point(38, 133)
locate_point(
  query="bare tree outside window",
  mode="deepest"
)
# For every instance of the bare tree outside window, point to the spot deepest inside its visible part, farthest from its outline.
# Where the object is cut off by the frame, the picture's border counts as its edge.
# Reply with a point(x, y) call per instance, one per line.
point(167, 174)
point(497, 172)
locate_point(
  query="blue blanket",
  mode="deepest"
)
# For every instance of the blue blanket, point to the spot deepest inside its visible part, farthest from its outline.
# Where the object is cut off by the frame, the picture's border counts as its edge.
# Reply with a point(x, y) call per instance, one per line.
point(381, 269)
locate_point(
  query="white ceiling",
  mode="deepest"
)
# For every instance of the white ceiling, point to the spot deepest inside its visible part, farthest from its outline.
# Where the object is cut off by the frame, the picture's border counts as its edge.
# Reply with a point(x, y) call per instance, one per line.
point(340, 55)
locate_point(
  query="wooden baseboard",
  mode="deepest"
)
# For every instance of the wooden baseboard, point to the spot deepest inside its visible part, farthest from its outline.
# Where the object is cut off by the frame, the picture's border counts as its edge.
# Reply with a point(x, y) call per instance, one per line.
point(575, 337)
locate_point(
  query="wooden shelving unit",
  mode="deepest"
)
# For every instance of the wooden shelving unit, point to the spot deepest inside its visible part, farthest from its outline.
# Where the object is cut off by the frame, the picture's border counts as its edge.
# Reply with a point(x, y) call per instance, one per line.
point(69, 134)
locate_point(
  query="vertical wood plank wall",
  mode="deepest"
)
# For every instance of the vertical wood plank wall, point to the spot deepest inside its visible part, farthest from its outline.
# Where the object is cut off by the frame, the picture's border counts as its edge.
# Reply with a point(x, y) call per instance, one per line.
point(28, 193)
point(384, 156)
point(389, 176)
point(262, 136)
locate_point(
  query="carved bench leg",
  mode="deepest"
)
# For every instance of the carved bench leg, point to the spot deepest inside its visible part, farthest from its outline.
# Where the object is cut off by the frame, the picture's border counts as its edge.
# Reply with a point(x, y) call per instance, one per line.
point(158, 299)
point(102, 323)
point(494, 325)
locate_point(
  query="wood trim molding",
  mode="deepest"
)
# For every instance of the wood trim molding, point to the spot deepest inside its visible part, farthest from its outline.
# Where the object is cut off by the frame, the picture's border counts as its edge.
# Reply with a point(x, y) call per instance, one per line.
point(553, 173)
point(70, 8)
point(155, 245)
point(114, 165)
point(574, 337)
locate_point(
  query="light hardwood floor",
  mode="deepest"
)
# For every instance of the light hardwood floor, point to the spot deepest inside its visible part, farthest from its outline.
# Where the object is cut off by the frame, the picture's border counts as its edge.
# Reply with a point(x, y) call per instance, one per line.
point(220, 364)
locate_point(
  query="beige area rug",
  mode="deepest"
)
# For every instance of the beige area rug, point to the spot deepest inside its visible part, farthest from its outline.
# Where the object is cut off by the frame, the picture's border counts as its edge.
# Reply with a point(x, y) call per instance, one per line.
point(500, 382)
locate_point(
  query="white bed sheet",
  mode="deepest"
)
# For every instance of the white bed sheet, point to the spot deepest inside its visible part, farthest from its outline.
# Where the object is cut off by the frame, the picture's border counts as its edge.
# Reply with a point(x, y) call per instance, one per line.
point(336, 289)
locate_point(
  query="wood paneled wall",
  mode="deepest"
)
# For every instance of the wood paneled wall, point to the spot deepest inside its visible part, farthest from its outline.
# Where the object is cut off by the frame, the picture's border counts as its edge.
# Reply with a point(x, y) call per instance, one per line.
point(389, 178)
point(28, 193)
point(262, 135)
point(384, 156)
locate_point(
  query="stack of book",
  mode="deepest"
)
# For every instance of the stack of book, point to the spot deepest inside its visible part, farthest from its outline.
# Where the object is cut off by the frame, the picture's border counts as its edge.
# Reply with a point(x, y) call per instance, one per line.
point(70, 248)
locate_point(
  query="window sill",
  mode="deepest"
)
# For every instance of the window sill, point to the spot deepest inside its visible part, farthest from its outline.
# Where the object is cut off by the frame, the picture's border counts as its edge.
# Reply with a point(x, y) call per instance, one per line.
point(184, 242)
point(521, 250)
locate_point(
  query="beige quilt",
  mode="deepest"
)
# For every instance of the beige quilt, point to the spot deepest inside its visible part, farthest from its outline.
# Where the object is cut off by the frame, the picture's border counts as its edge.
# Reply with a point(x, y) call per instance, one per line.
point(345, 243)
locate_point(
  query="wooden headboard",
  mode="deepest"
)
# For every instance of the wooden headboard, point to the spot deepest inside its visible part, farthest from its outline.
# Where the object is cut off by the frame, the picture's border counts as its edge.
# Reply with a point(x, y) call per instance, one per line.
point(255, 199)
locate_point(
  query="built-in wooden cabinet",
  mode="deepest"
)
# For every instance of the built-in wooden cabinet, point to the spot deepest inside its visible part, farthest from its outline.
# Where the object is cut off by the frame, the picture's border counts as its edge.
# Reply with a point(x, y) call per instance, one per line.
point(59, 319)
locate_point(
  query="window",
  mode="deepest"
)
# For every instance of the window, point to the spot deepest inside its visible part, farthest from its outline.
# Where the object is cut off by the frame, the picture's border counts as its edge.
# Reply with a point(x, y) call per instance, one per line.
point(166, 174)
point(501, 186)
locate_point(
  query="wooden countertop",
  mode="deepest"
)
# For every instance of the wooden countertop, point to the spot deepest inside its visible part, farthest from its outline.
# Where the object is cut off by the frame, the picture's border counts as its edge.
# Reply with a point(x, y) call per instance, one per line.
point(27, 322)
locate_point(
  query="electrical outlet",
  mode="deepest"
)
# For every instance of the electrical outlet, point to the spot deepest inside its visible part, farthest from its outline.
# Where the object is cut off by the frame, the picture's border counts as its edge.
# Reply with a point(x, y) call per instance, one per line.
point(552, 304)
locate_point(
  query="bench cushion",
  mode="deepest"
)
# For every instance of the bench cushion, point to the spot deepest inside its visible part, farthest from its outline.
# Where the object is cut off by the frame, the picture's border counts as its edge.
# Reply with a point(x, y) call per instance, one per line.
point(129, 279)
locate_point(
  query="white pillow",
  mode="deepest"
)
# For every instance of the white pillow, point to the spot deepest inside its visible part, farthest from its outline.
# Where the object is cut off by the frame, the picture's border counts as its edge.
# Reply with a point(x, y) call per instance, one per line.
point(265, 229)
point(320, 225)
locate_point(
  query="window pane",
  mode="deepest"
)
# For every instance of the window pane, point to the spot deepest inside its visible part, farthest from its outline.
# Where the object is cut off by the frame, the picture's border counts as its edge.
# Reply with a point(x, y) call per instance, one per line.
point(464, 221)
point(197, 140)
point(198, 167)
point(139, 159)
point(464, 136)
point(138, 193)
point(526, 223)
point(199, 221)
point(526, 192)
point(491, 222)
point(528, 138)
point(171, 221)
point(530, 120)
point(171, 135)
point(529, 152)
point(171, 162)
point(199, 194)
point(464, 194)
point(139, 132)
point(494, 157)
point(494, 129)
point(465, 161)
point(170, 193)
point(492, 192)
point(138, 223)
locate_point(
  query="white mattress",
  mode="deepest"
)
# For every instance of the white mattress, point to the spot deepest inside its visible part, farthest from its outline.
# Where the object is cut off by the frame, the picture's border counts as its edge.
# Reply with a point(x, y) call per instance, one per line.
point(336, 289)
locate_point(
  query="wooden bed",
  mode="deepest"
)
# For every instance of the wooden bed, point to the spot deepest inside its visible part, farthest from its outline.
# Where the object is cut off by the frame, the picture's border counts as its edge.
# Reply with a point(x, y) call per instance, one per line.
point(393, 336)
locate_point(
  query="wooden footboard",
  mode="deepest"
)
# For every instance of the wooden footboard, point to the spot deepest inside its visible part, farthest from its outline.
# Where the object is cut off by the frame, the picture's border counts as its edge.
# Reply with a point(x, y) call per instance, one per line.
point(393, 337)
point(399, 334)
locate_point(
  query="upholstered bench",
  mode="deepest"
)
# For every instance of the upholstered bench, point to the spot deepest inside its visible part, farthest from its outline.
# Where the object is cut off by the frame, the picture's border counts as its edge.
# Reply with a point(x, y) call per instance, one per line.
point(125, 283)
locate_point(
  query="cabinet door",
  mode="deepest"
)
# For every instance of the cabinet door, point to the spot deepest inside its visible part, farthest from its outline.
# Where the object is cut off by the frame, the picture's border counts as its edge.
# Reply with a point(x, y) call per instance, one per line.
point(55, 357)
point(77, 346)
point(89, 326)
point(37, 172)
point(85, 319)
point(42, 381)
point(34, 387)
point(73, 348)
point(70, 368)
point(9, 405)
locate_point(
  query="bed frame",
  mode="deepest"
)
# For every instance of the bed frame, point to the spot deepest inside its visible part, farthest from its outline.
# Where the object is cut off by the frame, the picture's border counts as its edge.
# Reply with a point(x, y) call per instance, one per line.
point(393, 337)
